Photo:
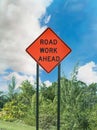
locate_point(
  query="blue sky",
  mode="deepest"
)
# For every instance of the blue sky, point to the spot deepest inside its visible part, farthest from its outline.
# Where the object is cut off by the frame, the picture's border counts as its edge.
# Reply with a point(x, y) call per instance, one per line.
point(75, 21)
point(21, 22)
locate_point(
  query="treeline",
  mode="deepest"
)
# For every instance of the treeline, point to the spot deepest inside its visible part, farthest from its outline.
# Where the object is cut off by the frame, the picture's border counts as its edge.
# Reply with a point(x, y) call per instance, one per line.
point(78, 104)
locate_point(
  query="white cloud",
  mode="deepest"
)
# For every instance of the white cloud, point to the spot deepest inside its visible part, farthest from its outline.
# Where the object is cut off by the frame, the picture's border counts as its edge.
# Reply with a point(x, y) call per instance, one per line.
point(88, 73)
point(19, 78)
point(19, 26)
point(47, 19)
point(47, 83)
point(74, 5)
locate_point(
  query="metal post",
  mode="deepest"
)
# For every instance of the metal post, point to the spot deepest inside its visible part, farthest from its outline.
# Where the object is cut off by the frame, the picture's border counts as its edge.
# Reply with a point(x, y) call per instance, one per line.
point(58, 107)
point(37, 97)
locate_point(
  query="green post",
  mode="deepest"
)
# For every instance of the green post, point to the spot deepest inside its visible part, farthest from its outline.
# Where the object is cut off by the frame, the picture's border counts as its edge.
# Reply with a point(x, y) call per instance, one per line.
point(37, 97)
point(58, 107)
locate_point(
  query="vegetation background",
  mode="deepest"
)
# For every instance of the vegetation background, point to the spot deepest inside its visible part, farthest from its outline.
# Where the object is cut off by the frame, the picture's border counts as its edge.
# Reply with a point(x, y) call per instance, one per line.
point(78, 105)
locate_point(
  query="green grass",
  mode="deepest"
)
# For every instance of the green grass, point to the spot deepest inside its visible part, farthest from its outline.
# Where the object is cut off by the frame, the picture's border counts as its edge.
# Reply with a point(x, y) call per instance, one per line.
point(17, 126)
point(14, 126)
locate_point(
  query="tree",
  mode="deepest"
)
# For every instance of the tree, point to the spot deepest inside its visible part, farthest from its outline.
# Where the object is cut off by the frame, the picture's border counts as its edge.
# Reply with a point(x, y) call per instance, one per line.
point(19, 106)
point(11, 88)
point(49, 92)
point(3, 99)
point(27, 91)
point(78, 101)
point(47, 113)
point(14, 110)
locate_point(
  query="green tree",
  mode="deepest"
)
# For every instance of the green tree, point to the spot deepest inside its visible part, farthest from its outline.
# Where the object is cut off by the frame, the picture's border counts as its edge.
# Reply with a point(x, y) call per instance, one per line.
point(18, 107)
point(48, 106)
point(47, 113)
point(77, 101)
point(3, 99)
point(14, 110)
point(11, 88)
point(49, 92)
point(27, 91)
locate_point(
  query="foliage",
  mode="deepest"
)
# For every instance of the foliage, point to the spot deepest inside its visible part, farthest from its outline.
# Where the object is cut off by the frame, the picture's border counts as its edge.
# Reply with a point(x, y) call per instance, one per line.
point(47, 114)
point(11, 88)
point(78, 101)
point(18, 107)
point(14, 110)
point(27, 91)
point(3, 99)
point(49, 92)
point(78, 104)
point(31, 114)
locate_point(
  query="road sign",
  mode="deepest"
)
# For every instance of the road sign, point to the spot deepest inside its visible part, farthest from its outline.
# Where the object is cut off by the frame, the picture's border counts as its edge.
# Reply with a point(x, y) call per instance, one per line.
point(48, 50)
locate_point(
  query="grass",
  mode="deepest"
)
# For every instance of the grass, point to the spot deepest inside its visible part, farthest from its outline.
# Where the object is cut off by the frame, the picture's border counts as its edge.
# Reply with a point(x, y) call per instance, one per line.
point(17, 126)
point(14, 126)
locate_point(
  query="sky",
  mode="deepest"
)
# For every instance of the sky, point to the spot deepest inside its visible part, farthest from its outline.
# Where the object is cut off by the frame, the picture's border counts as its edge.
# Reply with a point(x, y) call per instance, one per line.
point(22, 21)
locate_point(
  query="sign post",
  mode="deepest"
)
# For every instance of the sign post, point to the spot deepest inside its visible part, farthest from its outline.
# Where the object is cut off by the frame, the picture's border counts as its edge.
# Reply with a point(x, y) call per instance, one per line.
point(37, 97)
point(48, 50)
point(58, 95)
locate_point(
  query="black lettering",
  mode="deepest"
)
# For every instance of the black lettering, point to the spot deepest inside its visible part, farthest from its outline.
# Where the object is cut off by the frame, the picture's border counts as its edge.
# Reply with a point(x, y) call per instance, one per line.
point(55, 41)
point(44, 58)
point(40, 58)
point(42, 50)
point(49, 59)
point(48, 50)
point(53, 58)
point(55, 50)
point(41, 41)
point(48, 42)
point(57, 58)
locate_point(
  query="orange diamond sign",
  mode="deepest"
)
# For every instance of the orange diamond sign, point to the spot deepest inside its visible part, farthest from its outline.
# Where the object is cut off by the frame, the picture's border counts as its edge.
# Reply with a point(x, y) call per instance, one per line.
point(48, 50)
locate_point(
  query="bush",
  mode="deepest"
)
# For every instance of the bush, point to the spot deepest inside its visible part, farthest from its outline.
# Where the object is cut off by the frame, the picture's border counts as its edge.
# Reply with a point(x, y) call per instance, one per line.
point(13, 110)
